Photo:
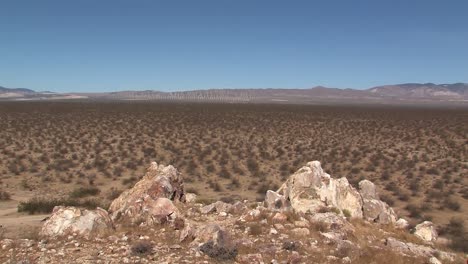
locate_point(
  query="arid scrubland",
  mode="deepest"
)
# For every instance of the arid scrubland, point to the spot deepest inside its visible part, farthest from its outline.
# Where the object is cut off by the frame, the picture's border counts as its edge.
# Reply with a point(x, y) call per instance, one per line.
point(86, 153)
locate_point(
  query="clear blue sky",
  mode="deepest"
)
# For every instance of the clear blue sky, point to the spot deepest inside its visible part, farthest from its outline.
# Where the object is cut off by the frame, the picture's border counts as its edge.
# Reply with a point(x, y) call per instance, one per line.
point(97, 45)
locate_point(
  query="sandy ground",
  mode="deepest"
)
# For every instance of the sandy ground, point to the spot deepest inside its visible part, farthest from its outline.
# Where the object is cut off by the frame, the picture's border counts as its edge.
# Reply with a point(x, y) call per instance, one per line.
point(17, 224)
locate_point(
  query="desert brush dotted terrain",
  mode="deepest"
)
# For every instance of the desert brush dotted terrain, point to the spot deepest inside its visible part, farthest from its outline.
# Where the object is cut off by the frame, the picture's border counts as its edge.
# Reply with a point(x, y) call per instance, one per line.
point(86, 153)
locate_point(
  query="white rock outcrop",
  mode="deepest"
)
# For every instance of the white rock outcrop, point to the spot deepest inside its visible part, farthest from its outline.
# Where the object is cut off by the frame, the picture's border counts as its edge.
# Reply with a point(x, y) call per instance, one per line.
point(72, 220)
point(151, 199)
point(402, 223)
point(310, 189)
point(426, 231)
point(373, 208)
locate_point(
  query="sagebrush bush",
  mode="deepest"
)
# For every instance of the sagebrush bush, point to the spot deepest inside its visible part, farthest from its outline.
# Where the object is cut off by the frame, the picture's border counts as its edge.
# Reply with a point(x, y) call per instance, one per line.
point(38, 205)
point(142, 248)
point(4, 195)
point(84, 191)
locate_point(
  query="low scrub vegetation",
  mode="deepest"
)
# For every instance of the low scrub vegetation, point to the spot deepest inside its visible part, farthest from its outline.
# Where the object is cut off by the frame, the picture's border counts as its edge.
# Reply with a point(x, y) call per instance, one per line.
point(4, 196)
point(38, 205)
point(415, 155)
point(84, 191)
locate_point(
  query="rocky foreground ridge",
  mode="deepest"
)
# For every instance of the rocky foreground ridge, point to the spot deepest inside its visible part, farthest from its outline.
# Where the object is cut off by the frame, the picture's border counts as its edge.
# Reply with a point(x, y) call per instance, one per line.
point(312, 218)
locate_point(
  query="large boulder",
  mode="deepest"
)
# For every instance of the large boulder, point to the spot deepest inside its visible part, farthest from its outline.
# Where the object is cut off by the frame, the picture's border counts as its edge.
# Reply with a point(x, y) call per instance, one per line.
point(301, 189)
point(373, 208)
point(426, 231)
point(378, 211)
point(310, 189)
point(151, 199)
point(72, 220)
point(344, 197)
point(367, 190)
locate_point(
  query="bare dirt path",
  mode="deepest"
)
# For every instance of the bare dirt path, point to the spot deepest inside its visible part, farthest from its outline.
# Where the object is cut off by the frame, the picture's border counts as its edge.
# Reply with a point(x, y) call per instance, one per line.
point(15, 224)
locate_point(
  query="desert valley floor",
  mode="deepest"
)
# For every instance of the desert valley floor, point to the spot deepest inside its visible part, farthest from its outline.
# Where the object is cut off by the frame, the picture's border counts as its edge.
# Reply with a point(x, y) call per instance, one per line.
point(87, 153)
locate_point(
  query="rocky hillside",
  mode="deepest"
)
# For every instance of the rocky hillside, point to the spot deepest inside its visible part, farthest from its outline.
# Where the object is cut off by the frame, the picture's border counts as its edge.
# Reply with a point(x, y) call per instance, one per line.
point(312, 218)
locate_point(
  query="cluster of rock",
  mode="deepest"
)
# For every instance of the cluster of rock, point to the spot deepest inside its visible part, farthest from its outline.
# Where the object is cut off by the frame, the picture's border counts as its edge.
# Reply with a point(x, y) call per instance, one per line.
point(310, 193)
point(310, 189)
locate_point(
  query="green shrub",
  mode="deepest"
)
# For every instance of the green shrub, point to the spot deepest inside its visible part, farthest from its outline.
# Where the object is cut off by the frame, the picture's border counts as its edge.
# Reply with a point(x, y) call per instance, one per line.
point(142, 248)
point(4, 196)
point(113, 193)
point(346, 213)
point(84, 191)
point(38, 205)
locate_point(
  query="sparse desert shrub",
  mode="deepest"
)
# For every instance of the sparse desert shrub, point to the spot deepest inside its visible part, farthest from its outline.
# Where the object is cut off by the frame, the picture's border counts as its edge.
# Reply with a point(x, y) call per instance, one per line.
point(225, 174)
point(37, 205)
point(218, 252)
point(191, 190)
point(216, 186)
point(142, 248)
point(84, 191)
point(4, 195)
point(439, 184)
point(235, 183)
point(289, 245)
point(255, 229)
point(465, 193)
point(346, 213)
point(263, 188)
point(457, 233)
point(454, 227)
point(433, 171)
point(451, 204)
point(414, 210)
point(403, 197)
point(458, 242)
point(113, 193)
point(129, 181)
point(25, 184)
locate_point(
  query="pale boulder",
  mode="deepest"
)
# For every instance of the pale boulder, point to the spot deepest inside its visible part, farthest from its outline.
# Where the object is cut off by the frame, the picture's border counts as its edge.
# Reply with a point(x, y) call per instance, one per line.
point(310, 189)
point(373, 208)
point(434, 260)
point(367, 190)
point(402, 224)
point(426, 231)
point(151, 198)
point(190, 197)
point(72, 220)
point(301, 189)
point(347, 198)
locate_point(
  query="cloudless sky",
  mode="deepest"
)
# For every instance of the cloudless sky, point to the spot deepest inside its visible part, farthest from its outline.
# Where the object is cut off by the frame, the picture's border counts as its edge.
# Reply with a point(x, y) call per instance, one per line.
point(108, 45)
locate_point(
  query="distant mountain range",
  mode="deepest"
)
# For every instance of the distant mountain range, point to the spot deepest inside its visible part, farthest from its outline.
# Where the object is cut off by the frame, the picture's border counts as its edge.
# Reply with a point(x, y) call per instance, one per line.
point(404, 93)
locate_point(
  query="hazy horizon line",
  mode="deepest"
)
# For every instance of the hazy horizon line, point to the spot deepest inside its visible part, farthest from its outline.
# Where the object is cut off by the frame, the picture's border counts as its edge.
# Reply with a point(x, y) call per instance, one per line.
point(225, 88)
